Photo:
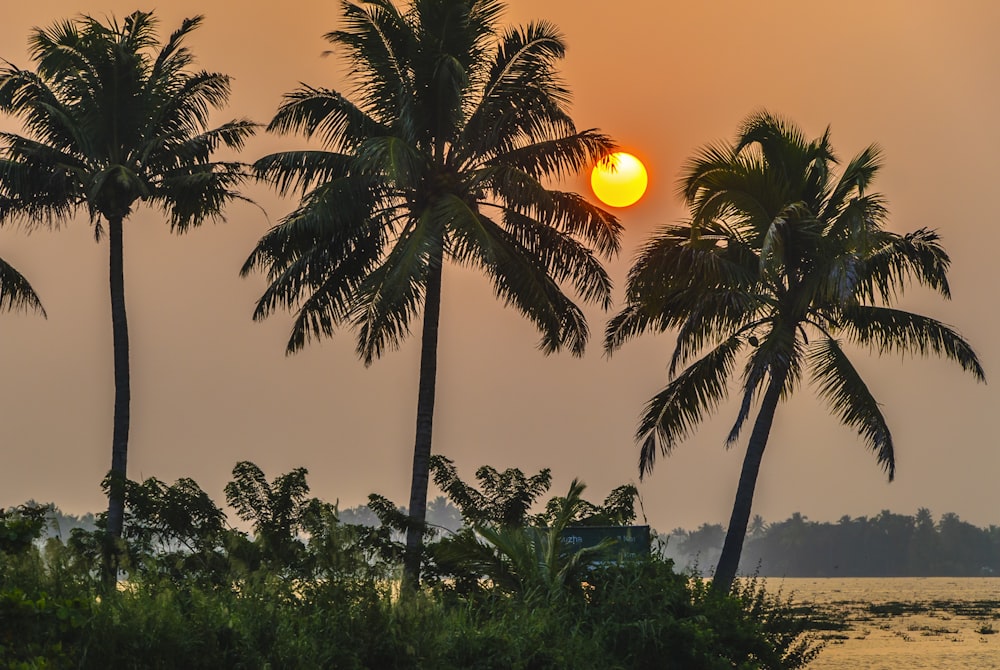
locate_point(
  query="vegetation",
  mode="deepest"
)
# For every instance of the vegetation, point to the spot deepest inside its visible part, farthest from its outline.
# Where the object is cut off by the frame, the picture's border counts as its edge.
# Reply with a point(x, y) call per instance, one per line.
point(305, 590)
point(444, 150)
point(114, 118)
point(780, 260)
point(885, 545)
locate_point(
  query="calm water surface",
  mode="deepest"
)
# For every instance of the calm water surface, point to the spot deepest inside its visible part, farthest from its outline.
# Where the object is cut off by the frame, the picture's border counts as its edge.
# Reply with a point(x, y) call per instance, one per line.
point(903, 623)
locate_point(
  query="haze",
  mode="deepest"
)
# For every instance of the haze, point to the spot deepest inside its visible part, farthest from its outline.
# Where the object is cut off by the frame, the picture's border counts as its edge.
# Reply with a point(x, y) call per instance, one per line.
point(211, 388)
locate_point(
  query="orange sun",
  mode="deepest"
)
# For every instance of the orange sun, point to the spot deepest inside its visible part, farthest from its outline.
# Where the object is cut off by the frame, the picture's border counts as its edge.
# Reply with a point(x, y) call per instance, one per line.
point(619, 179)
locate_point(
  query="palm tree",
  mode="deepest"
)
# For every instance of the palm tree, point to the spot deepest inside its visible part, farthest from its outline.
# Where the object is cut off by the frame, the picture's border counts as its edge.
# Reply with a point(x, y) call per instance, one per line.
point(778, 261)
point(114, 118)
point(442, 151)
point(758, 527)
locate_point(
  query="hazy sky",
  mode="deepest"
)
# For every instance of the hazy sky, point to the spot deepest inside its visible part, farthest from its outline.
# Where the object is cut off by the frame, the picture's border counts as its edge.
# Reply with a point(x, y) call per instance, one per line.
point(211, 388)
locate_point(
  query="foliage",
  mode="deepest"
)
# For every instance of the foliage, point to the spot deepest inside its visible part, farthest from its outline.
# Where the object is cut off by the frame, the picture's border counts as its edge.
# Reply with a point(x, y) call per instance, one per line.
point(278, 511)
point(517, 550)
point(20, 526)
point(15, 291)
point(530, 561)
point(654, 617)
point(327, 600)
point(505, 497)
point(176, 527)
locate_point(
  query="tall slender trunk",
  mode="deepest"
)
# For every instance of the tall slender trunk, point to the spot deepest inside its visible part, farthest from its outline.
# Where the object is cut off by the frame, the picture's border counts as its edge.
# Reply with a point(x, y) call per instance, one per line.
point(729, 561)
point(119, 330)
point(425, 423)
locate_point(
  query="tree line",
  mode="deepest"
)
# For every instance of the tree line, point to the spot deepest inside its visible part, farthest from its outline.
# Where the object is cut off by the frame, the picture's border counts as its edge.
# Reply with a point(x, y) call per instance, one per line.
point(885, 545)
point(442, 146)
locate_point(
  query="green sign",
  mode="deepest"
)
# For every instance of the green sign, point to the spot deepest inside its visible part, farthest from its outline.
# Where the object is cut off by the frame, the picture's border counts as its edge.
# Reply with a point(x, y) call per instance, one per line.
point(629, 541)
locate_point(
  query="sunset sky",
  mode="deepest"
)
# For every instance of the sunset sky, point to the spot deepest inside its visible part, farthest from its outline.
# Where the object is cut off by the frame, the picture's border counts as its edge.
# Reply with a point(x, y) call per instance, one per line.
point(210, 387)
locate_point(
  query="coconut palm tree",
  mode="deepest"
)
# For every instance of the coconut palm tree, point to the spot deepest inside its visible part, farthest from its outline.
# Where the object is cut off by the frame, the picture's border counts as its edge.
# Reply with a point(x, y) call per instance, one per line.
point(114, 118)
point(781, 262)
point(443, 150)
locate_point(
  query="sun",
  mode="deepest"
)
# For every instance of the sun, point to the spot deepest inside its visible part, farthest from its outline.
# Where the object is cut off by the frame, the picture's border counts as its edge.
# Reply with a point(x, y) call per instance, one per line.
point(619, 179)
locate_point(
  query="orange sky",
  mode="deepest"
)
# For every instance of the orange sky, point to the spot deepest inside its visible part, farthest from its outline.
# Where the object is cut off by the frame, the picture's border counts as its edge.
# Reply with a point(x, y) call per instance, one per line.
point(211, 388)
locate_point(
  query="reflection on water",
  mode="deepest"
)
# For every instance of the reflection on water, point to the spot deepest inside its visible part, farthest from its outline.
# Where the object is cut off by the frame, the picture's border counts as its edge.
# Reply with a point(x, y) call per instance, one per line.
point(902, 623)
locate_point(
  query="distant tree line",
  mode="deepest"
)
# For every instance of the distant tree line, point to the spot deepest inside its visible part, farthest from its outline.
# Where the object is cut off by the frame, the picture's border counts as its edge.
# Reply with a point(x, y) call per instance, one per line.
point(885, 545)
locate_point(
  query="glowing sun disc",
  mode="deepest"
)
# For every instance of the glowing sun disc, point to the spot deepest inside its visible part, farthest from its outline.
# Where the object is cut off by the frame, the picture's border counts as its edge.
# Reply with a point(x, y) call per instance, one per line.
point(619, 180)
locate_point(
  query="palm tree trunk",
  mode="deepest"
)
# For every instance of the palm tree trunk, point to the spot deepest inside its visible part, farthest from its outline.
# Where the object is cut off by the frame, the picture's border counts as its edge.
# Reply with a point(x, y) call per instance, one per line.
point(729, 561)
point(119, 330)
point(425, 422)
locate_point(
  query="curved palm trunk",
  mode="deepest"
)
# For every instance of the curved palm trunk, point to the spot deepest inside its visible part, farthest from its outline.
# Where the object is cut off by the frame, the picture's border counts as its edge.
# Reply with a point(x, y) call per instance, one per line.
point(119, 329)
point(729, 561)
point(425, 422)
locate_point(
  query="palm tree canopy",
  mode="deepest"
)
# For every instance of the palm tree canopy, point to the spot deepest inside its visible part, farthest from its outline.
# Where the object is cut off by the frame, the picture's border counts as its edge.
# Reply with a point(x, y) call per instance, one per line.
point(112, 118)
point(781, 262)
point(443, 149)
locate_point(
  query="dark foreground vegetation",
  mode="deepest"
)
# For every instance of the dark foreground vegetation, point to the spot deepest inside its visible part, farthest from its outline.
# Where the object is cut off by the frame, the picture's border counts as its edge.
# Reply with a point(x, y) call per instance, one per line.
point(885, 545)
point(303, 590)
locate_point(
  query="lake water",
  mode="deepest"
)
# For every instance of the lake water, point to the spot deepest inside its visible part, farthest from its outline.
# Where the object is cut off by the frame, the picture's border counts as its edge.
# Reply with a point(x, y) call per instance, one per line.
point(903, 623)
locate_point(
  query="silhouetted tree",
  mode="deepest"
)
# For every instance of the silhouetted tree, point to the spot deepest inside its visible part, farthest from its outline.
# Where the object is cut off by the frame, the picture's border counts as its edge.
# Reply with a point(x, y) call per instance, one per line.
point(444, 150)
point(115, 118)
point(778, 261)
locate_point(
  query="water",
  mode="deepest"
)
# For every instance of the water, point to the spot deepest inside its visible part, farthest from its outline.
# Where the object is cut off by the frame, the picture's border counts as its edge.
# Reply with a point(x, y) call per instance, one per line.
point(903, 623)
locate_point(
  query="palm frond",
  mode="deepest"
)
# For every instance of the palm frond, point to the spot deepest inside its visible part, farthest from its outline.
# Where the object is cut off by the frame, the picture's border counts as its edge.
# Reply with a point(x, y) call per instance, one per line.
point(302, 170)
point(391, 294)
point(841, 386)
point(556, 157)
point(855, 179)
point(630, 322)
point(390, 158)
point(891, 330)
point(672, 414)
point(521, 99)
point(563, 257)
point(520, 278)
point(316, 263)
point(338, 122)
point(377, 40)
point(15, 291)
point(526, 198)
point(193, 194)
point(916, 256)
